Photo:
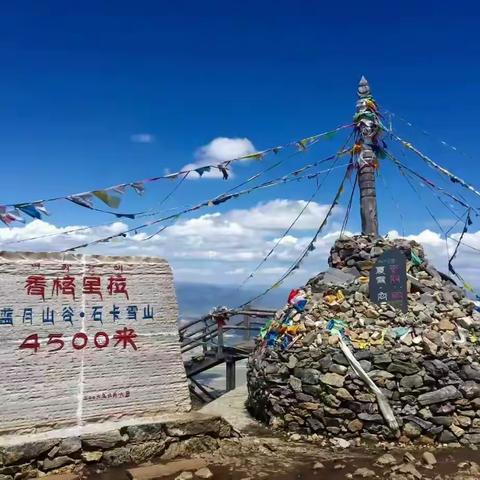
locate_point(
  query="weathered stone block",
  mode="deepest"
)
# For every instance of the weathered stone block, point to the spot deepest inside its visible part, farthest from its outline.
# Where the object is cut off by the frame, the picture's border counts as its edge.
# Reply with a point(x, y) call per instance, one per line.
point(69, 445)
point(117, 456)
point(439, 396)
point(145, 432)
point(332, 379)
point(57, 462)
point(27, 451)
point(195, 426)
point(405, 368)
point(145, 451)
point(309, 376)
point(103, 440)
point(190, 446)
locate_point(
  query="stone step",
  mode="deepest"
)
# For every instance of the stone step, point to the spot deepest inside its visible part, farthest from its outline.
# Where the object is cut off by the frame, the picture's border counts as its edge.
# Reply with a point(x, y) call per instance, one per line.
point(62, 476)
point(152, 472)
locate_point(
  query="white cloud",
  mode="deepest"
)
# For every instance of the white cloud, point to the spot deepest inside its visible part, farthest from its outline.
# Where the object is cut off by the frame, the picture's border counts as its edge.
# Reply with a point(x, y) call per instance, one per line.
point(219, 150)
point(142, 138)
point(223, 248)
point(279, 214)
point(52, 238)
point(438, 252)
point(211, 244)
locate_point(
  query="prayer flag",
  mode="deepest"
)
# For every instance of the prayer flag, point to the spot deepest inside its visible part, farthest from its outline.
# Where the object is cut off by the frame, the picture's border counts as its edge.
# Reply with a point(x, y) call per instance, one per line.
point(110, 200)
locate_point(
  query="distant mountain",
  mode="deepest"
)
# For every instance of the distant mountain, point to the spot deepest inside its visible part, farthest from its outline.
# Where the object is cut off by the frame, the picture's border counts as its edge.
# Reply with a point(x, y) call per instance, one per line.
point(196, 299)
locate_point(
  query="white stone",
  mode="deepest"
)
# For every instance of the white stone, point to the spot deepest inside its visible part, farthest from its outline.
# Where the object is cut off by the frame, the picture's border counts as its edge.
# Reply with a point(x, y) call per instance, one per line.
point(429, 458)
point(185, 476)
point(342, 443)
point(204, 473)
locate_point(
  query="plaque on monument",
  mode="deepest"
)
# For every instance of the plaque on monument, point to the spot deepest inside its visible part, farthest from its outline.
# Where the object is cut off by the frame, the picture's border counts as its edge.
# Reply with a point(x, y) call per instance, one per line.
point(388, 279)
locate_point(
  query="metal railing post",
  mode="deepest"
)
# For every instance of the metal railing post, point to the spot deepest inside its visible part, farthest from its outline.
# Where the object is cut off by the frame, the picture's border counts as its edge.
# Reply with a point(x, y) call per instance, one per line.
point(230, 375)
point(220, 339)
point(204, 336)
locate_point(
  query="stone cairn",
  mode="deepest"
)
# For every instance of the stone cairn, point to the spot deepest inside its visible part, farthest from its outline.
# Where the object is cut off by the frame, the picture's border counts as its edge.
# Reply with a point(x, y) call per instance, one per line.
point(424, 361)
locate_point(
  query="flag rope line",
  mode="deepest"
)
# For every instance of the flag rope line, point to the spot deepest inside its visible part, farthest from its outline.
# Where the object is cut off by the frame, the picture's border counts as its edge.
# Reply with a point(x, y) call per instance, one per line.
point(468, 222)
point(35, 209)
point(68, 232)
point(310, 247)
point(250, 179)
point(156, 212)
point(454, 178)
point(394, 201)
point(279, 180)
point(458, 241)
point(299, 215)
point(428, 134)
point(214, 201)
point(349, 206)
point(429, 182)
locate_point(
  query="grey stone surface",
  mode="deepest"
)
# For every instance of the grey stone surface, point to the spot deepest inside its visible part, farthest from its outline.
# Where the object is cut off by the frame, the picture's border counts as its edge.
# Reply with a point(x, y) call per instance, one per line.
point(145, 432)
point(69, 445)
point(103, 440)
point(189, 434)
point(332, 379)
point(57, 462)
point(439, 396)
point(197, 425)
point(26, 451)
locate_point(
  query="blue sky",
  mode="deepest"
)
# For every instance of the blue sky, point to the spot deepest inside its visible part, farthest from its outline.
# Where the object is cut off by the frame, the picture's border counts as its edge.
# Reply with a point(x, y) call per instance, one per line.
point(78, 81)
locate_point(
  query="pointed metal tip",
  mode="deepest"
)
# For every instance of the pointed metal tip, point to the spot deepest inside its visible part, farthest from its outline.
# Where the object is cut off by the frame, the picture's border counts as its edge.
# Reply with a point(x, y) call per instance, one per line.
point(363, 87)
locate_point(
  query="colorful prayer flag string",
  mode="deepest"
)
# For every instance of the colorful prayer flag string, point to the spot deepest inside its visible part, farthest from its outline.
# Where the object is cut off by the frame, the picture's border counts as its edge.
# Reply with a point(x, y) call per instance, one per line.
point(292, 176)
point(111, 196)
point(435, 165)
point(428, 182)
point(299, 215)
point(428, 134)
point(309, 248)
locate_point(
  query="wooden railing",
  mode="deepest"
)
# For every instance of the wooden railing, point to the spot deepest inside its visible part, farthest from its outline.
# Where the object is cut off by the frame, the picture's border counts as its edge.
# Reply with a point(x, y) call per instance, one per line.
point(208, 332)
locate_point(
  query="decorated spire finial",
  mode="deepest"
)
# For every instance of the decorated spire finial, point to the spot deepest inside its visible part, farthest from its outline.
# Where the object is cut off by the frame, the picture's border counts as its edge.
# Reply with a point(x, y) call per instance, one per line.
point(366, 125)
point(363, 87)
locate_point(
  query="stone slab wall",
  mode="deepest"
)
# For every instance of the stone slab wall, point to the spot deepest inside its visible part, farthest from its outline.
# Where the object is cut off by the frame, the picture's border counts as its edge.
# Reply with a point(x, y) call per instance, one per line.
point(180, 435)
point(87, 338)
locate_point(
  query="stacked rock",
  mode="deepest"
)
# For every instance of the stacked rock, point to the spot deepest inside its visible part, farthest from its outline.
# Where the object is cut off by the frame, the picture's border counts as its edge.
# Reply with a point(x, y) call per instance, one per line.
point(424, 361)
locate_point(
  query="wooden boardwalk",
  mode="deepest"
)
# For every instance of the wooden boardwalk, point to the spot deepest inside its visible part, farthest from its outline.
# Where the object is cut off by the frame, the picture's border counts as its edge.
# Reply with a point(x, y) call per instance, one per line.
point(206, 337)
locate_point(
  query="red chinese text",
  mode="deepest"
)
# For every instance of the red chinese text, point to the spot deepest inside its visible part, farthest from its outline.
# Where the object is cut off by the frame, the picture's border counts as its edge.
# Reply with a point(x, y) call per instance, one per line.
point(92, 286)
point(125, 338)
point(36, 285)
point(65, 286)
point(117, 284)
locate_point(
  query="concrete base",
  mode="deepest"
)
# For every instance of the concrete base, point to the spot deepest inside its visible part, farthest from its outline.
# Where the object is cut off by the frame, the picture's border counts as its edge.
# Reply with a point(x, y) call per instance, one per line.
point(231, 407)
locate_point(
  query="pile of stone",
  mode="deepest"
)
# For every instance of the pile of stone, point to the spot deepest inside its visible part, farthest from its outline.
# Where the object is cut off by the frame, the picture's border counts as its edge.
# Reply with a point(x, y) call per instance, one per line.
point(425, 361)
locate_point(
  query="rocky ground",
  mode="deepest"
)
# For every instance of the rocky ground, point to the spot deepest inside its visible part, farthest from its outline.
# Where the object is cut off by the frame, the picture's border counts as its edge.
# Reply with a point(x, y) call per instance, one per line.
point(289, 458)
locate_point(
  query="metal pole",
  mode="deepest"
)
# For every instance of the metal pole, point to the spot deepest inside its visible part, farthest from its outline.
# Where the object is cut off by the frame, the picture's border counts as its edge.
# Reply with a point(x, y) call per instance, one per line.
point(230, 375)
point(367, 123)
point(246, 321)
point(220, 340)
